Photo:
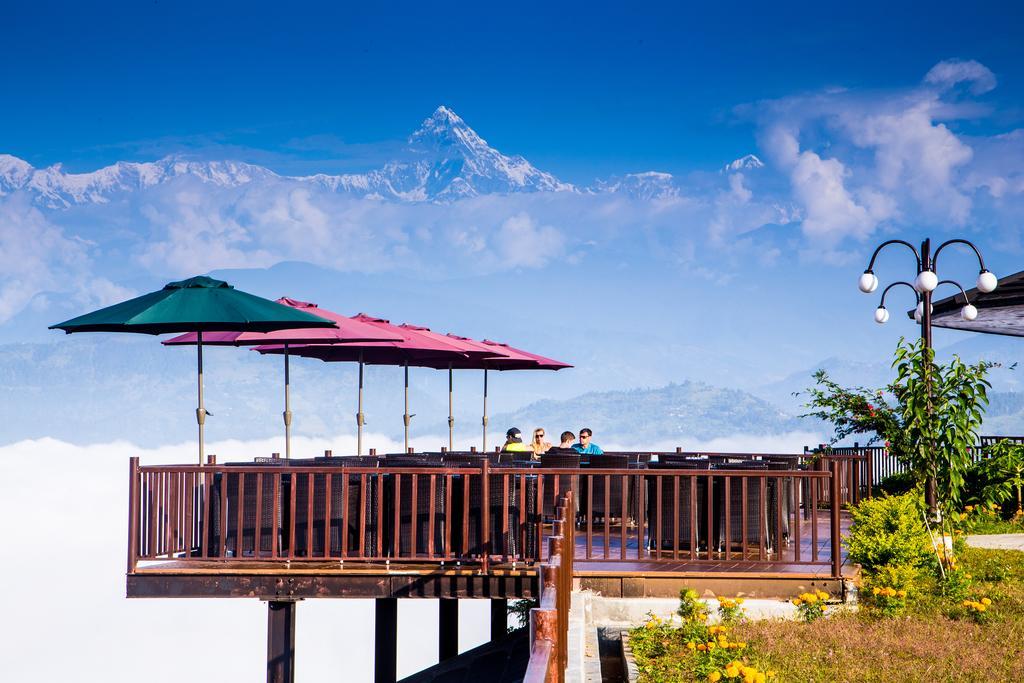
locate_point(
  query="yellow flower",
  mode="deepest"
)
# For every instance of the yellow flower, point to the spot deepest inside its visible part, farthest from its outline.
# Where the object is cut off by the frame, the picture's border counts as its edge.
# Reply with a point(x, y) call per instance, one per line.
point(771, 674)
point(901, 593)
point(711, 645)
point(691, 645)
point(732, 671)
point(741, 645)
point(876, 590)
point(702, 647)
point(811, 598)
point(714, 676)
point(967, 576)
point(759, 677)
point(739, 601)
point(981, 608)
point(969, 508)
point(822, 595)
point(986, 601)
point(692, 594)
point(702, 617)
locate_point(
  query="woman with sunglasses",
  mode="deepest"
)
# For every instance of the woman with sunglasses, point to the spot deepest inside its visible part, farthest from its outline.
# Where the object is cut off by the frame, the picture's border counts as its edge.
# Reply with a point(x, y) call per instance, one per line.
point(539, 445)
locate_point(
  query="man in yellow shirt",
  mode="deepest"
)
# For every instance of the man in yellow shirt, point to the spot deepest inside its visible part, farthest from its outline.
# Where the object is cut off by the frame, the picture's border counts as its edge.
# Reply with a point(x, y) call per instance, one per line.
point(514, 441)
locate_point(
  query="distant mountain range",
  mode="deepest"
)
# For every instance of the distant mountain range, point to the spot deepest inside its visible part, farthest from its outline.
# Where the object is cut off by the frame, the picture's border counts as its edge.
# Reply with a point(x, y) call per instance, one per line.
point(92, 390)
point(688, 409)
point(444, 160)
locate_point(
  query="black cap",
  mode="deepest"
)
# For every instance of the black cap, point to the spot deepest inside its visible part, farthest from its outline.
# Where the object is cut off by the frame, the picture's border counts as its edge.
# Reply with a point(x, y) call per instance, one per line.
point(513, 432)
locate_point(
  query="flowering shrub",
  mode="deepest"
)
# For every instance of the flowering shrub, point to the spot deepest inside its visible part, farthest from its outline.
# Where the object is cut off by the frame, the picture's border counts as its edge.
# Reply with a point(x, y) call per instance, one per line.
point(690, 607)
point(810, 606)
point(957, 583)
point(730, 610)
point(978, 609)
point(889, 601)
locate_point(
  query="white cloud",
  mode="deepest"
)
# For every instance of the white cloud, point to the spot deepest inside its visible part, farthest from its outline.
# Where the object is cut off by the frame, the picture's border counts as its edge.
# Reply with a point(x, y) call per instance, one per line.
point(78, 498)
point(520, 242)
point(830, 211)
point(951, 72)
point(37, 255)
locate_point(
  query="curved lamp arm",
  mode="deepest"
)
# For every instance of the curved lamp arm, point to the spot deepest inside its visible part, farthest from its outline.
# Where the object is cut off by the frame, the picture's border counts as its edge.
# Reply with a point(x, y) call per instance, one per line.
point(908, 245)
point(958, 286)
point(935, 258)
point(917, 297)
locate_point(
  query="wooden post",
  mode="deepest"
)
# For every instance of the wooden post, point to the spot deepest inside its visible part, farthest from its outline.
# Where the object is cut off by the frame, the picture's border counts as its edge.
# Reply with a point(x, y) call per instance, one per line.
point(385, 641)
point(837, 559)
point(485, 487)
point(281, 641)
point(447, 628)
point(499, 618)
point(133, 511)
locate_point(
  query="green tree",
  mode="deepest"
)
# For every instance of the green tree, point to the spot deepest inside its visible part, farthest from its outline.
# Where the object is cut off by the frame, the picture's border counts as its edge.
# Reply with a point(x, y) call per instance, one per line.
point(941, 407)
point(1003, 472)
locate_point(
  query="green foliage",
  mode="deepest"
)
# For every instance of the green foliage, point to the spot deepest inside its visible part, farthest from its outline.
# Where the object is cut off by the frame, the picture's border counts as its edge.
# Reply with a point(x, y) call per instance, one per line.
point(888, 532)
point(888, 601)
point(810, 606)
point(941, 408)
point(897, 484)
point(1002, 474)
point(956, 584)
point(691, 607)
point(857, 411)
point(730, 610)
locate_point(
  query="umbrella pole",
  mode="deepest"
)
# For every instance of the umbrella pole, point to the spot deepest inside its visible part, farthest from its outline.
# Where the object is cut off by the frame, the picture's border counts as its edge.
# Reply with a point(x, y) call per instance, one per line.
point(360, 418)
point(451, 417)
point(287, 408)
point(484, 449)
point(200, 410)
point(406, 416)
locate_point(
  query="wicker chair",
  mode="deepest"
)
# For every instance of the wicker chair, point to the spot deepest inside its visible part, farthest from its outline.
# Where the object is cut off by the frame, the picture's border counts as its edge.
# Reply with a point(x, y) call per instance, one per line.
point(554, 485)
point(241, 542)
point(755, 504)
point(397, 491)
point(599, 483)
point(682, 516)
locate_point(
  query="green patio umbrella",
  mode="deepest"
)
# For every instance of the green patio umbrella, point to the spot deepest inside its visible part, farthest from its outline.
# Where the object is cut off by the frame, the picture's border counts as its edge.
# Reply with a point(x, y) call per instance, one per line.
point(198, 304)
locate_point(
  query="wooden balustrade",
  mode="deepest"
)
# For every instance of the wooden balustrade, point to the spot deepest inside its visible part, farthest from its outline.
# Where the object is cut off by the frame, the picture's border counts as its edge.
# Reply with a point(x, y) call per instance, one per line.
point(763, 519)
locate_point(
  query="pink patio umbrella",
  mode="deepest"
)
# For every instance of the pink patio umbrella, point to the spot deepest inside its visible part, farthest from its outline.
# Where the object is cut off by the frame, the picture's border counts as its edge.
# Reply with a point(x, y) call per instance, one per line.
point(509, 359)
point(346, 330)
point(417, 347)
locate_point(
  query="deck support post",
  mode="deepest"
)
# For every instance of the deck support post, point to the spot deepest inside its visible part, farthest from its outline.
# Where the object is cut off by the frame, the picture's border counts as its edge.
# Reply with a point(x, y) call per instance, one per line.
point(281, 641)
point(447, 628)
point(835, 506)
point(499, 618)
point(385, 641)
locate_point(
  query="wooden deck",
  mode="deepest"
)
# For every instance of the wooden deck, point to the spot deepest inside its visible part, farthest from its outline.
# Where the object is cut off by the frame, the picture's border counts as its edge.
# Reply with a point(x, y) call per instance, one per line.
point(333, 579)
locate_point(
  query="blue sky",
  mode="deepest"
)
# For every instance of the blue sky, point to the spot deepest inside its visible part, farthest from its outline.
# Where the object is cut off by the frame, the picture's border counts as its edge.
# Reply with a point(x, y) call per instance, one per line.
point(582, 89)
point(872, 122)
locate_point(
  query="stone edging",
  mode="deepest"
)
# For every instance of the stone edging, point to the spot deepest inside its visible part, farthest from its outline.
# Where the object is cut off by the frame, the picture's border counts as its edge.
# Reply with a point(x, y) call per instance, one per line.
point(628, 661)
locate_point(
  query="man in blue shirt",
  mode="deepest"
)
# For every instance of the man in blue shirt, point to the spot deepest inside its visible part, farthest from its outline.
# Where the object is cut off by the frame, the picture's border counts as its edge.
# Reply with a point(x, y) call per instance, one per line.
point(585, 446)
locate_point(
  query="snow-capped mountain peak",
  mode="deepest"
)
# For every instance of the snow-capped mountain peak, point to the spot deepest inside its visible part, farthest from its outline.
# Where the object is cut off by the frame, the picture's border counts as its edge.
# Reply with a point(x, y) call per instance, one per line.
point(444, 160)
point(746, 162)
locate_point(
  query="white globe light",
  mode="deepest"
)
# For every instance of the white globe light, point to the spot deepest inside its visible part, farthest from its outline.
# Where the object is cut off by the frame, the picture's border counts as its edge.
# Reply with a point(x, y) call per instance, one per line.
point(969, 312)
point(917, 315)
point(881, 315)
point(987, 282)
point(919, 312)
point(868, 282)
point(926, 281)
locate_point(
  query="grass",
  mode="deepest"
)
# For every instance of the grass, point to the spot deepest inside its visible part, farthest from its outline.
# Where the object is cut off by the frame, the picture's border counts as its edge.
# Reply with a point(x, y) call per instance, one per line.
point(935, 640)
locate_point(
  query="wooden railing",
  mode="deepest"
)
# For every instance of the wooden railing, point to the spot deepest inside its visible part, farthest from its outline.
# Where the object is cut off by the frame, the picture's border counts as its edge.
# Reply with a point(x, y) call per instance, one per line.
point(764, 520)
point(549, 622)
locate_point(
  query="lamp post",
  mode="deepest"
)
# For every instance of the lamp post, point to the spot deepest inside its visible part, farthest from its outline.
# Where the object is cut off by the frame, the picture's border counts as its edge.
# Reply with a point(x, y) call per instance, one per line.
point(925, 282)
